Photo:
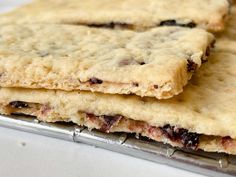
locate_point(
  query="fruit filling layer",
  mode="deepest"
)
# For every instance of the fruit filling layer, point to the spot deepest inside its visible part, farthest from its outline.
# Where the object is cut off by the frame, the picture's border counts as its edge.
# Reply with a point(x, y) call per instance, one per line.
point(176, 136)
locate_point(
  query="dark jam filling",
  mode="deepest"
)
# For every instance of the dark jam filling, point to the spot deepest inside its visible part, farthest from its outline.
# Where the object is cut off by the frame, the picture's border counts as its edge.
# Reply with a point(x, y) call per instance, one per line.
point(174, 23)
point(18, 104)
point(111, 25)
point(191, 66)
point(109, 121)
point(95, 80)
point(188, 139)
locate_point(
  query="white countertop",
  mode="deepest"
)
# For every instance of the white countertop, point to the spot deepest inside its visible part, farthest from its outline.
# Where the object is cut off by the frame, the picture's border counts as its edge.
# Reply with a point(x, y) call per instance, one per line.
point(28, 155)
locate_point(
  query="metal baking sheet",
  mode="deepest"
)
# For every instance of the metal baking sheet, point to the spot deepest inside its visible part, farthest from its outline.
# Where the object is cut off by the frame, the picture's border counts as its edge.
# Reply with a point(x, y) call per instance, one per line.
point(211, 164)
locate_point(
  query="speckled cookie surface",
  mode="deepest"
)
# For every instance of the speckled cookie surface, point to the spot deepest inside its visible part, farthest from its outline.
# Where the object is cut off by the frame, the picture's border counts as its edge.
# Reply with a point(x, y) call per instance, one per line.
point(206, 106)
point(156, 63)
point(135, 14)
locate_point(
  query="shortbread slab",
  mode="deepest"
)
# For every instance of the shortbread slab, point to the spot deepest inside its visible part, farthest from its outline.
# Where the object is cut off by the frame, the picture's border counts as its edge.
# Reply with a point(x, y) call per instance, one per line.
point(173, 135)
point(155, 63)
point(202, 117)
point(132, 14)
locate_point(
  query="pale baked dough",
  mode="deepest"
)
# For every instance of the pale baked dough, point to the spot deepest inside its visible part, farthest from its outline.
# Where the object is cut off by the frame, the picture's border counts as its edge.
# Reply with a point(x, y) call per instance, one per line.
point(226, 41)
point(206, 106)
point(230, 31)
point(156, 63)
point(116, 123)
point(135, 14)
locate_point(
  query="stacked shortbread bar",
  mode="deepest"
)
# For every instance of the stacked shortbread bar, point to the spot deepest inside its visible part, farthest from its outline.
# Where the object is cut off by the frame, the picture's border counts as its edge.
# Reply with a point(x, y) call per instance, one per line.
point(135, 66)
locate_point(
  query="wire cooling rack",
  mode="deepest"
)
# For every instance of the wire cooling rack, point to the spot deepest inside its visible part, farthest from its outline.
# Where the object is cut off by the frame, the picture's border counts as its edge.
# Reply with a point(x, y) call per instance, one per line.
point(211, 164)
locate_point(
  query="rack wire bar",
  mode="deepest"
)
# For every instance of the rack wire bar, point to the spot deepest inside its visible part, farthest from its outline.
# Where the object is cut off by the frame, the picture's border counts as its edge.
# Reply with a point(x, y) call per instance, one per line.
point(210, 164)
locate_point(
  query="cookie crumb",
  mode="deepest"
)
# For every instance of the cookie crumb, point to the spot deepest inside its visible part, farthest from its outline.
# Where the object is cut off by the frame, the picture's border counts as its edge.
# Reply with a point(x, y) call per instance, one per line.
point(22, 144)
